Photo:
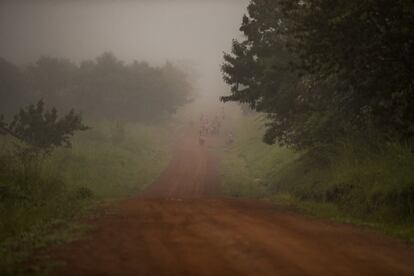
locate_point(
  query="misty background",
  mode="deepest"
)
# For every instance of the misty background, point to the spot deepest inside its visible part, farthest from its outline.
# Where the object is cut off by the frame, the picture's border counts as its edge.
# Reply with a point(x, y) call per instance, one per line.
point(191, 34)
point(135, 72)
point(101, 100)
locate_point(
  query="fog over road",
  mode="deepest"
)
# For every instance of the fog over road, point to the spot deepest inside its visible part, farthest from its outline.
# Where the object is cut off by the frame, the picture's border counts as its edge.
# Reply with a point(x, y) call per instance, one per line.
point(179, 227)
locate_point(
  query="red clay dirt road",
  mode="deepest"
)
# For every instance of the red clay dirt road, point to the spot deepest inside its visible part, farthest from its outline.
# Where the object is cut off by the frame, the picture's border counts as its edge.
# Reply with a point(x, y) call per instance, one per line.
point(178, 227)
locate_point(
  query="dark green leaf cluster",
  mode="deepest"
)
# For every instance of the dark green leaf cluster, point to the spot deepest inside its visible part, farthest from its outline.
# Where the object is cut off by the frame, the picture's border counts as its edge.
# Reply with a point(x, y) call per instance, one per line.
point(42, 129)
point(324, 68)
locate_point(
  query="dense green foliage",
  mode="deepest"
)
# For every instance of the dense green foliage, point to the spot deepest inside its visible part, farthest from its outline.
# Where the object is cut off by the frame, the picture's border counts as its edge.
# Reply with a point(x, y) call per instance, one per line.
point(104, 88)
point(321, 69)
point(347, 181)
point(39, 201)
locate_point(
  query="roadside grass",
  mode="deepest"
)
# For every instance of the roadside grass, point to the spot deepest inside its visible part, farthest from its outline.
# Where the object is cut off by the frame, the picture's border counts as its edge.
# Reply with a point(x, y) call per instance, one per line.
point(40, 202)
point(248, 165)
point(113, 169)
point(349, 182)
point(331, 211)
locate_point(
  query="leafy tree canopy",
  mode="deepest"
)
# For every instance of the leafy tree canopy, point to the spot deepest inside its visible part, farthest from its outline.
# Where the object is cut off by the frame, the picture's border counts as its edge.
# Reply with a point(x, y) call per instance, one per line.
point(321, 68)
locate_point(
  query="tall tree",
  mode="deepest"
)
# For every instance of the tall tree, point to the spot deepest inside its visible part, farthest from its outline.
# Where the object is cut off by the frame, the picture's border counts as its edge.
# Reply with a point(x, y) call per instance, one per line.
point(320, 68)
point(368, 45)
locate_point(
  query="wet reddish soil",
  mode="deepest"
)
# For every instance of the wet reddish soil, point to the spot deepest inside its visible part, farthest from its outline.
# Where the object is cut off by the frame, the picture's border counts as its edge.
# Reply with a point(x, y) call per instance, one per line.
point(178, 226)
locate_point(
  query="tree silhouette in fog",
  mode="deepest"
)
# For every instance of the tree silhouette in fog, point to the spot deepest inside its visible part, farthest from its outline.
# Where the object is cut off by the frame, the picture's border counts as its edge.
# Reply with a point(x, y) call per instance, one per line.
point(102, 88)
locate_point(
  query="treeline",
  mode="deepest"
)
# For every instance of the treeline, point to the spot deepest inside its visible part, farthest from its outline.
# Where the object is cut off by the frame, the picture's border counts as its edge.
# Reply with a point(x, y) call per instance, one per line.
point(103, 88)
point(326, 69)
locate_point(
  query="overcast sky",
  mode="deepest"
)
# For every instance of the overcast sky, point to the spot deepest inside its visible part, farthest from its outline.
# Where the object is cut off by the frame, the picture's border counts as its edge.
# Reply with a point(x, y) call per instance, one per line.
point(153, 30)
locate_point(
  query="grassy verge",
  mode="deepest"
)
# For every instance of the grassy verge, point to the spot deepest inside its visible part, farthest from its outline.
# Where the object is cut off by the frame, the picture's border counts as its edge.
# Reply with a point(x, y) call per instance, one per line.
point(348, 182)
point(39, 201)
point(248, 165)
